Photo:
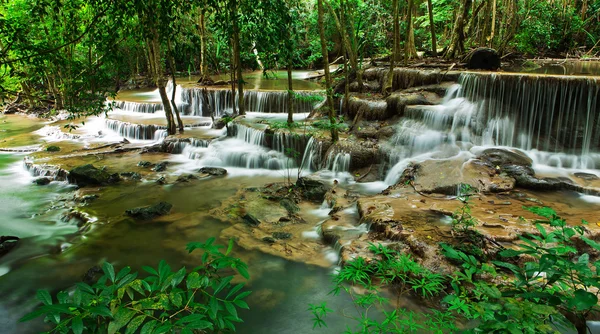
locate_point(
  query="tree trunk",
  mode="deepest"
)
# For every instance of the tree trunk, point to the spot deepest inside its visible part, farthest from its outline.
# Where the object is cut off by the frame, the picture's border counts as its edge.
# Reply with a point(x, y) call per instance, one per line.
point(493, 24)
point(352, 52)
point(344, 108)
point(238, 60)
point(154, 52)
point(432, 28)
point(290, 99)
point(173, 104)
point(389, 82)
point(410, 51)
point(324, 52)
point(203, 62)
point(457, 44)
point(232, 77)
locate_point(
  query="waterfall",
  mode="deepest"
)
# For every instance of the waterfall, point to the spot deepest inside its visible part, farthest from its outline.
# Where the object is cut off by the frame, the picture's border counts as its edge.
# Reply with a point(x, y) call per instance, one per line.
point(555, 114)
point(338, 162)
point(311, 160)
point(553, 119)
point(135, 131)
point(138, 107)
point(254, 101)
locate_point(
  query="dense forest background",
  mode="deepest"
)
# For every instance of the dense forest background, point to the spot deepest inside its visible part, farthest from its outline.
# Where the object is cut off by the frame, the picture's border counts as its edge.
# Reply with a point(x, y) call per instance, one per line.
point(71, 53)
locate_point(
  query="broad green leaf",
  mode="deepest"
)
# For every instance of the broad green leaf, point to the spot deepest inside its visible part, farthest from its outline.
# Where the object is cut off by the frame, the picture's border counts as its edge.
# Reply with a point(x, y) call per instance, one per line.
point(213, 305)
point(229, 247)
point(123, 272)
point(148, 328)
point(178, 277)
point(193, 281)
point(231, 309)
point(583, 300)
point(223, 284)
point(176, 299)
point(44, 297)
point(234, 290)
point(122, 317)
point(150, 270)
point(77, 325)
point(134, 324)
point(109, 271)
point(102, 311)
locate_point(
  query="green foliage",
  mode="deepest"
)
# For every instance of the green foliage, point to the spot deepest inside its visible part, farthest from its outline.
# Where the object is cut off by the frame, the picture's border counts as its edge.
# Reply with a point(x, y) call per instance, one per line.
point(462, 221)
point(556, 282)
point(184, 301)
point(327, 125)
point(395, 272)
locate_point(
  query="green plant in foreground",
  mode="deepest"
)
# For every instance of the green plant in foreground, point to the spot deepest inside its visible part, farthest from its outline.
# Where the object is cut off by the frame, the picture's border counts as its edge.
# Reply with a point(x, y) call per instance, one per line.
point(556, 287)
point(379, 313)
point(462, 221)
point(182, 301)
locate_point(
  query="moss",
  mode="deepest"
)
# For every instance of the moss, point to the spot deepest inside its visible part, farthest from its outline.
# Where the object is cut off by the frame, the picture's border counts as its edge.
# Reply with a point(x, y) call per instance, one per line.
point(52, 148)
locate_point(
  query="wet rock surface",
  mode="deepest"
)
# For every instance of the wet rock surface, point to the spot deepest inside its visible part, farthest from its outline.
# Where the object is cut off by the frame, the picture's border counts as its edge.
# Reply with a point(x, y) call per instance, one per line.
point(87, 175)
point(150, 212)
point(42, 181)
point(8, 243)
point(214, 171)
point(312, 189)
point(161, 166)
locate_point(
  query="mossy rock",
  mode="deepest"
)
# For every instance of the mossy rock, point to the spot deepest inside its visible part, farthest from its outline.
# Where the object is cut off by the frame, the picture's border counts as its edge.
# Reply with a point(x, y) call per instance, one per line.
point(52, 148)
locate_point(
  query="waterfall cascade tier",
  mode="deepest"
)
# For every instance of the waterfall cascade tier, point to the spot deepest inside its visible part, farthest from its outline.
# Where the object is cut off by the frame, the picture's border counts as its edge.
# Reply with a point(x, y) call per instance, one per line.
point(547, 113)
point(258, 101)
point(138, 107)
point(143, 131)
point(553, 119)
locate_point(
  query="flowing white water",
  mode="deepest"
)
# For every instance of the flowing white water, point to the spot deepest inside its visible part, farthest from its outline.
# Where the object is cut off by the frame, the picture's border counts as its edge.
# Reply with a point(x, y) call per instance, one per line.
point(553, 120)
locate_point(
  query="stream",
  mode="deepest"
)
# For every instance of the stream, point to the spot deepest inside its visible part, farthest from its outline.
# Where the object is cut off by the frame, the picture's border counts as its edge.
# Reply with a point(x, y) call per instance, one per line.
point(561, 136)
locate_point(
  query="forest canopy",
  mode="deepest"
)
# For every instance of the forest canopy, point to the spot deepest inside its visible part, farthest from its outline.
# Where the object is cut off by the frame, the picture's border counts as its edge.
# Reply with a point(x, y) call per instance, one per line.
point(71, 54)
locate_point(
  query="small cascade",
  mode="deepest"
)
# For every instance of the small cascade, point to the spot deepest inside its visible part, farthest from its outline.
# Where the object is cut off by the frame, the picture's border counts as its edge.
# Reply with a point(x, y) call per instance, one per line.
point(44, 170)
point(254, 101)
point(186, 146)
point(248, 134)
point(311, 160)
point(338, 162)
point(292, 144)
point(137, 131)
point(137, 107)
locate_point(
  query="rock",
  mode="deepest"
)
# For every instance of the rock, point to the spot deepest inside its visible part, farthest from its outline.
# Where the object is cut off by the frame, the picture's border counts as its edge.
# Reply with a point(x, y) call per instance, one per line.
point(186, 178)
point(161, 166)
point(219, 124)
point(52, 148)
point(7, 243)
point(42, 181)
point(282, 235)
point(268, 240)
point(214, 171)
point(312, 189)
point(483, 59)
point(132, 175)
point(149, 212)
point(250, 220)
point(144, 164)
point(501, 157)
point(92, 275)
point(587, 176)
point(89, 198)
point(89, 175)
point(156, 148)
point(161, 180)
point(289, 205)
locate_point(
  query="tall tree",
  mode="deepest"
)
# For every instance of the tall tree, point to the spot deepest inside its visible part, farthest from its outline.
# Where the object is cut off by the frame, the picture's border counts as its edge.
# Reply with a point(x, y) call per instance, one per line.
point(457, 42)
point(325, 53)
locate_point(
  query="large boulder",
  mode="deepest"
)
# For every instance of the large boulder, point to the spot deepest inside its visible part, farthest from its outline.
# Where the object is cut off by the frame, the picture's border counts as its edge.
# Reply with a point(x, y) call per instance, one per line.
point(89, 175)
point(150, 212)
point(483, 59)
point(312, 189)
point(503, 157)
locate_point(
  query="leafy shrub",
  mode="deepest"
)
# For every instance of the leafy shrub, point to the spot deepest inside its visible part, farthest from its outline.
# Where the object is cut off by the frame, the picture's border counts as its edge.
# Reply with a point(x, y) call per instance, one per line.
point(181, 301)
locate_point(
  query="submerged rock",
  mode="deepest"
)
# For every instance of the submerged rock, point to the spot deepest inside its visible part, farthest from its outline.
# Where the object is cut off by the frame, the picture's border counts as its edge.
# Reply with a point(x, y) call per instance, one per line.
point(92, 275)
point(7, 243)
point(214, 171)
point(501, 157)
point(161, 166)
point(42, 181)
point(186, 178)
point(282, 235)
point(289, 205)
point(144, 164)
point(312, 189)
point(250, 220)
point(89, 175)
point(161, 180)
point(132, 175)
point(587, 176)
point(149, 212)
